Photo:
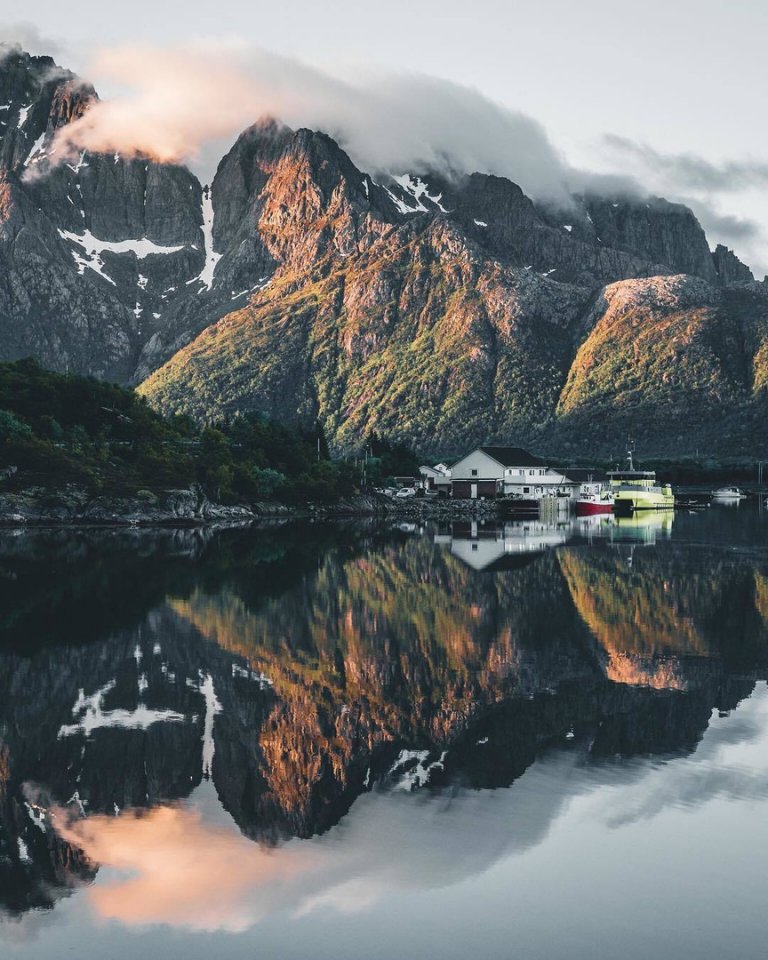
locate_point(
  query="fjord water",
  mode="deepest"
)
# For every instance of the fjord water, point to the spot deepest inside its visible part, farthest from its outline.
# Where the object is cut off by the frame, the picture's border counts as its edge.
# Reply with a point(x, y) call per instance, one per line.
point(332, 741)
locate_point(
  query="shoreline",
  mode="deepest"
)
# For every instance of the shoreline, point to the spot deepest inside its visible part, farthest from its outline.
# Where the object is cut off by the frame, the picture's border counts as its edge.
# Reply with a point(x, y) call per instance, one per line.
point(191, 508)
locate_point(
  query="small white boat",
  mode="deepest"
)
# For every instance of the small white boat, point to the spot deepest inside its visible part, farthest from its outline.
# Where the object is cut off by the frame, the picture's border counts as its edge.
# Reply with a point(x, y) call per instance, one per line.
point(729, 493)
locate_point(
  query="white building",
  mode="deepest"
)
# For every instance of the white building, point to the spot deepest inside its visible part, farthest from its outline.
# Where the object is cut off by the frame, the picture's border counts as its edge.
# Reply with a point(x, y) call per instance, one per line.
point(507, 471)
point(436, 479)
point(492, 547)
point(590, 482)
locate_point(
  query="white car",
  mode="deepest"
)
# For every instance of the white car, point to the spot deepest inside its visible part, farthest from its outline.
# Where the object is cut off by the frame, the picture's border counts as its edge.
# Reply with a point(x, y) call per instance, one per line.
point(404, 492)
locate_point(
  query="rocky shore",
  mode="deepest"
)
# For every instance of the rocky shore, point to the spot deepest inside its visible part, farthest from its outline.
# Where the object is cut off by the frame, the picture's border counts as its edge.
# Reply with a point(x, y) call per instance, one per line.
point(191, 507)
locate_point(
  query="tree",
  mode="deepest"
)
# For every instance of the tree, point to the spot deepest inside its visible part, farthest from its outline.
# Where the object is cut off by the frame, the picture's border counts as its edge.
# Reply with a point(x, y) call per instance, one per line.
point(12, 429)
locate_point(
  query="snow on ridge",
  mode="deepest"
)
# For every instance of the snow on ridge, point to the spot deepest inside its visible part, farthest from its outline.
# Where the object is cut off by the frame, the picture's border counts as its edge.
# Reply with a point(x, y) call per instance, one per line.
point(247, 674)
point(80, 163)
point(31, 157)
point(212, 707)
point(94, 263)
point(481, 223)
point(36, 815)
point(568, 227)
point(261, 285)
point(23, 114)
point(417, 188)
point(418, 775)
point(401, 206)
point(211, 257)
point(141, 248)
point(93, 716)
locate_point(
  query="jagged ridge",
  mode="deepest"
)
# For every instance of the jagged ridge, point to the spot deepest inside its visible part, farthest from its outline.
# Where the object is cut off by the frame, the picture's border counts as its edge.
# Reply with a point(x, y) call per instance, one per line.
point(441, 313)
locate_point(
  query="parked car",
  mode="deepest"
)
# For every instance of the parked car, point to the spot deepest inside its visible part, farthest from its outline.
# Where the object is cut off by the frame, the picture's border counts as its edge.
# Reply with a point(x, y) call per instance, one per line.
point(404, 492)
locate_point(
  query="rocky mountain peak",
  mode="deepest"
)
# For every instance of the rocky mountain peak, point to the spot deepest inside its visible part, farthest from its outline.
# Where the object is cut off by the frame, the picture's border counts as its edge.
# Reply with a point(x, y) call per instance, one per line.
point(655, 229)
point(728, 266)
point(444, 309)
point(36, 98)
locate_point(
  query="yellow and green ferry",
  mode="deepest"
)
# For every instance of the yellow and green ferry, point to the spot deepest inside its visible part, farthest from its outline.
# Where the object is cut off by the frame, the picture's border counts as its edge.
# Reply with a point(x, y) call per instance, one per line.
point(639, 490)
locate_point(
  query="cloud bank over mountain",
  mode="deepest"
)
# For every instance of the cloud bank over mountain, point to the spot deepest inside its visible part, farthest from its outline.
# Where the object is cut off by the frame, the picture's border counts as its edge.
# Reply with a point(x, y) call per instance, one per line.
point(703, 186)
point(188, 102)
point(26, 36)
point(178, 104)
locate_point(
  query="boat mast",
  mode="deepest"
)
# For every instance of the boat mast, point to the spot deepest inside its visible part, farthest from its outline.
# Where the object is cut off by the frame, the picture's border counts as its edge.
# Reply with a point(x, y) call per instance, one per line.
point(630, 464)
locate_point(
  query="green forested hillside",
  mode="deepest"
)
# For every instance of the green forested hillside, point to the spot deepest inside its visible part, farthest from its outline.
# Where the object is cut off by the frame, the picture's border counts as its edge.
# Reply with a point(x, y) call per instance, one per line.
point(57, 430)
point(672, 361)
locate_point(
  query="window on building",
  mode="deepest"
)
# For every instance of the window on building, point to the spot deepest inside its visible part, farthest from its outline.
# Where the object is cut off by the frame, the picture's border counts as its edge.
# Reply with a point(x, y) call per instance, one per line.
point(474, 473)
point(526, 489)
point(474, 546)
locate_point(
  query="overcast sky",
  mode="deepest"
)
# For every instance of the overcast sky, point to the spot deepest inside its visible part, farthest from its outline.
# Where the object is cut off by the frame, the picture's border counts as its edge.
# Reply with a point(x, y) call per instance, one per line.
point(669, 91)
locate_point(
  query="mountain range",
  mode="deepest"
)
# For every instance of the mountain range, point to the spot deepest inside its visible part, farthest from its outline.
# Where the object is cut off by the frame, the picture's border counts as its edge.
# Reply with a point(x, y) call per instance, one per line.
point(440, 311)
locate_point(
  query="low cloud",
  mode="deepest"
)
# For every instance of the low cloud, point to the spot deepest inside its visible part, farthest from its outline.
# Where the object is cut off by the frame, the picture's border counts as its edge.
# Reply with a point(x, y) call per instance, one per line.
point(25, 36)
point(688, 171)
point(187, 103)
point(737, 229)
point(176, 103)
point(702, 185)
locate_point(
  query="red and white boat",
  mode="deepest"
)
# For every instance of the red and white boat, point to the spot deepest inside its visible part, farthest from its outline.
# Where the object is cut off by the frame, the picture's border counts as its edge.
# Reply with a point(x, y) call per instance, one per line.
point(590, 504)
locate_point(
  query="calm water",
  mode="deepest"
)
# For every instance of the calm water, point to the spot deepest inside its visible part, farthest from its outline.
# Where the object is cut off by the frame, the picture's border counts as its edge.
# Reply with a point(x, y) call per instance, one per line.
point(343, 741)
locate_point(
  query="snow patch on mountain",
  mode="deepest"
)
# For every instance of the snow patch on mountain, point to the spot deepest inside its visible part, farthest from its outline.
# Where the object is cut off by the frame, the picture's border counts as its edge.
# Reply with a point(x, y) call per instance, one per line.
point(413, 769)
point(91, 715)
point(94, 263)
point(140, 248)
point(80, 163)
point(36, 146)
point(211, 257)
point(417, 188)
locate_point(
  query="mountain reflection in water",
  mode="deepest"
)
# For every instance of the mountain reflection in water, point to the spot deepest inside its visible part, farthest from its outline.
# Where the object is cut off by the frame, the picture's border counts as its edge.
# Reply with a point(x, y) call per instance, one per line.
point(209, 728)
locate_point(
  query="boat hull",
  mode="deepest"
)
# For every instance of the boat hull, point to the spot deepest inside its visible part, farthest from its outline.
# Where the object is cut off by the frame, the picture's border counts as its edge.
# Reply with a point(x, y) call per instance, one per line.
point(728, 495)
point(591, 508)
point(630, 503)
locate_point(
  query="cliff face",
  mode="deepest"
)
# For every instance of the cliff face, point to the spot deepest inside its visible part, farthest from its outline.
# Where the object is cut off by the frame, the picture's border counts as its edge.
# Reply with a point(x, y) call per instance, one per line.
point(91, 248)
point(443, 313)
point(447, 314)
